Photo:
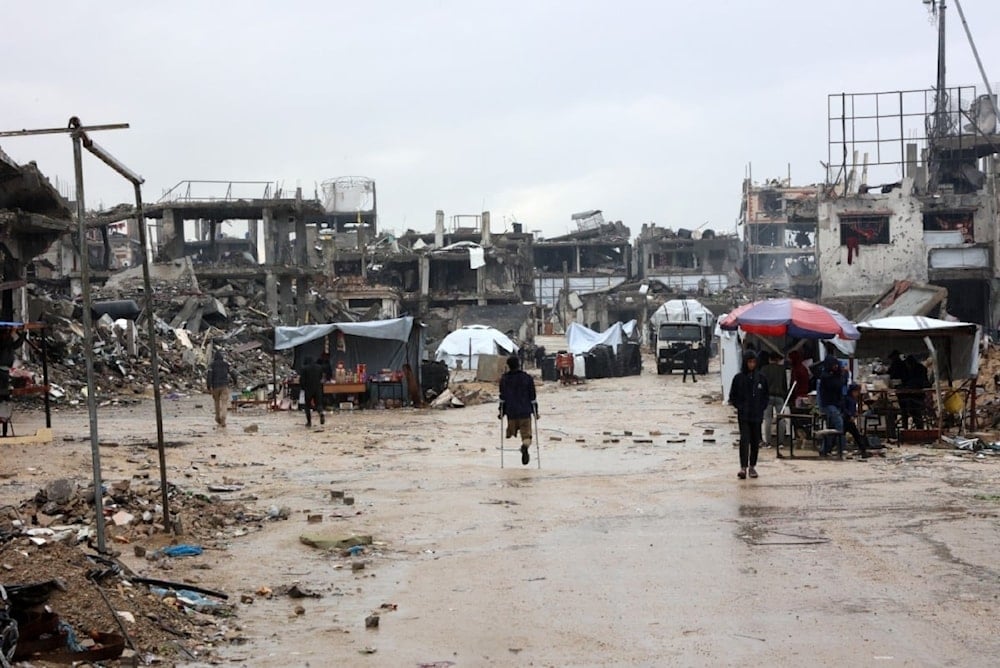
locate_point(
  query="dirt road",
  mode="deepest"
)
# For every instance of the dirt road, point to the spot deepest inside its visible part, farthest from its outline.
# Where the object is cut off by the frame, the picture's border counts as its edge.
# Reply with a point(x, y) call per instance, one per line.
point(622, 549)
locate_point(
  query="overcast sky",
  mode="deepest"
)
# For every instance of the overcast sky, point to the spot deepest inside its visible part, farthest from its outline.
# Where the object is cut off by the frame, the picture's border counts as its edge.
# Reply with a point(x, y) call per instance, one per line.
point(650, 110)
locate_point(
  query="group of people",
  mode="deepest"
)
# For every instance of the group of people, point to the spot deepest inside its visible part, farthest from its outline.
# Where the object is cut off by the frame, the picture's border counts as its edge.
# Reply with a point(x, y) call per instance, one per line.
point(760, 391)
point(911, 379)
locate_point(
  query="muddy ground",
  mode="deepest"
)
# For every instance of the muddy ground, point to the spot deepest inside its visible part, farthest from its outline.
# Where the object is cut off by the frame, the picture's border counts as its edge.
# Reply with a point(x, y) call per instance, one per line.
point(633, 544)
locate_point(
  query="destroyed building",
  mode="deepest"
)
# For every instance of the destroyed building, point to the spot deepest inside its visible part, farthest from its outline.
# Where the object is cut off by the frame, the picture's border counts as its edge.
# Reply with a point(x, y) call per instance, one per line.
point(922, 210)
point(597, 256)
point(779, 226)
point(33, 215)
point(694, 261)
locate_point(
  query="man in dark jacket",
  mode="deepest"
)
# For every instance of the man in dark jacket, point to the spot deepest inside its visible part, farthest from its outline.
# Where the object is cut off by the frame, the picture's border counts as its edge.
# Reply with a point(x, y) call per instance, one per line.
point(749, 394)
point(311, 380)
point(518, 403)
point(831, 398)
point(217, 381)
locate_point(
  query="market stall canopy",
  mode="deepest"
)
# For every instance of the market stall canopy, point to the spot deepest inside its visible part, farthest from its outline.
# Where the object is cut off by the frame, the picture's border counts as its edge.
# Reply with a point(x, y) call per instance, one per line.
point(378, 344)
point(471, 341)
point(789, 317)
point(581, 339)
point(956, 344)
point(397, 329)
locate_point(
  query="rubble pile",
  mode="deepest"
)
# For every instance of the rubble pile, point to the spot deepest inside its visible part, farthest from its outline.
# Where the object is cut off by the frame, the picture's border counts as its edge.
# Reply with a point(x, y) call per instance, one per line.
point(988, 399)
point(134, 617)
point(189, 322)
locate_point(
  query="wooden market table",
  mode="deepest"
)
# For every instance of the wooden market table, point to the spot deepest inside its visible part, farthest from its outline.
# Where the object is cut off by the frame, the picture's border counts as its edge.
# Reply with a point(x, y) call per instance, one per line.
point(346, 389)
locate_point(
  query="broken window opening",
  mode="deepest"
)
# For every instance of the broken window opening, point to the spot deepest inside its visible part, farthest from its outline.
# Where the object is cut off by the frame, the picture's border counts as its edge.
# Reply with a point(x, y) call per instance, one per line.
point(765, 235)
point(864, 230)
point(951, 221)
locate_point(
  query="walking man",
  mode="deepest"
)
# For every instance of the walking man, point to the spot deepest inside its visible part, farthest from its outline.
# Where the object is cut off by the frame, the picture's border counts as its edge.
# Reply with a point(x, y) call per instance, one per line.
point(311, 379)
point(748, 394)
point(687, 357)
point(518, 403)
point(219, 375)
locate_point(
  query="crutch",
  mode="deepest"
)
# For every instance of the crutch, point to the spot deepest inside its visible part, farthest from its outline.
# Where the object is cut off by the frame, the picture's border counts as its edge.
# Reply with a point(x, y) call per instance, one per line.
point(538, 443)
point(501, 441)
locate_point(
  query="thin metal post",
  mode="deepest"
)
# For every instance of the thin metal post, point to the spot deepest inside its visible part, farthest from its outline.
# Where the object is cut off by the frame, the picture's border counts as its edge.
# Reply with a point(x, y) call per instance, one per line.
point(154, 355)
point(45, 380)
point(88, 342)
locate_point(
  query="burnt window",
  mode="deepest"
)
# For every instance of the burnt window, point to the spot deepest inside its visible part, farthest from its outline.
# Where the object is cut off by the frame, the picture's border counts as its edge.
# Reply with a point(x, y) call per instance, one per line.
point(864, 230)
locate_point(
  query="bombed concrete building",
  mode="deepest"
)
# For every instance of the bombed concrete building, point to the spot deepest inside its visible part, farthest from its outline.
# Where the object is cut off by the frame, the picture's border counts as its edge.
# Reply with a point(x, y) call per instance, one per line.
point(691, 261)
point(779, 226)
point(933, 219)
point(597, 256)
point(33, 216)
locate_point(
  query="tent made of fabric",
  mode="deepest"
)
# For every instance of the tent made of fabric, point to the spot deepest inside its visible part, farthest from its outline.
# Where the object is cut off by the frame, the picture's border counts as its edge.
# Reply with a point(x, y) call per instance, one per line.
point(581, 339)
point(469, 342)
point(956, 344)
point(378, 344)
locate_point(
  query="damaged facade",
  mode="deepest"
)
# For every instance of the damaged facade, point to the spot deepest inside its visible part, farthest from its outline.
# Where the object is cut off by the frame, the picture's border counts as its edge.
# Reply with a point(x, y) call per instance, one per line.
point(937, 224)
point(699, 261)
point(779, 225)
point(33, 216)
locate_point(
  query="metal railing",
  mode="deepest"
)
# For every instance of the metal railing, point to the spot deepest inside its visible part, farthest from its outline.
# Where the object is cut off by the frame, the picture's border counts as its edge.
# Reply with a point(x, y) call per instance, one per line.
point(882, 124)
point(183, 191)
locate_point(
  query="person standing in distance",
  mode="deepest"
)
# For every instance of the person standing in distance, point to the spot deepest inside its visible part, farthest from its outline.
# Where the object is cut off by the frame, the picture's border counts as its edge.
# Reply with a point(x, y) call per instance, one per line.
point(749, 395)
point(311, 378)
point(518, 403)
point(217, 381)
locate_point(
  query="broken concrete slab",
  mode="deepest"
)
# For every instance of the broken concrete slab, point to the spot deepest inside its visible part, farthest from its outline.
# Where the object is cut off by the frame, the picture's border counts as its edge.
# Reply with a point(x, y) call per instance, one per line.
point(334, 542)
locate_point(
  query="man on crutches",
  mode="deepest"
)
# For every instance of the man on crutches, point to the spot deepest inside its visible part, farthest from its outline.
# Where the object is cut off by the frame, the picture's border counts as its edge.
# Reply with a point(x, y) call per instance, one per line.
point(519, 404)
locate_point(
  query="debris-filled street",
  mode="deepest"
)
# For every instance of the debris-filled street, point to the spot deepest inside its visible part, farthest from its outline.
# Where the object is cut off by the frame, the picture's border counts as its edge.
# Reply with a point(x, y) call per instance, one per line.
point(396, 533)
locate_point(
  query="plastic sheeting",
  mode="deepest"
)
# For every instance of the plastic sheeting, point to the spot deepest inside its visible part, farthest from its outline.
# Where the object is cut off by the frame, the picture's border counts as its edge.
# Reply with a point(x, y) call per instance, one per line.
point(473, 340)
point(681, 310)
point(580, 339)
point(956, 343)
point(397, 329)
point(379, 344)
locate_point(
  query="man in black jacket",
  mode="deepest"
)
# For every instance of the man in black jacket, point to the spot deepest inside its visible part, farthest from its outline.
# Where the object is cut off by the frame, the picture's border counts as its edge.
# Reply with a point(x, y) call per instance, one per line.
point(311, 380)
point(749, 395)
point(518, 403)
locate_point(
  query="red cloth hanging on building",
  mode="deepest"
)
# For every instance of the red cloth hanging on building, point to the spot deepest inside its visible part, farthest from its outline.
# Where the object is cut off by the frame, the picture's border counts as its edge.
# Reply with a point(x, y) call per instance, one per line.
point(853, 248)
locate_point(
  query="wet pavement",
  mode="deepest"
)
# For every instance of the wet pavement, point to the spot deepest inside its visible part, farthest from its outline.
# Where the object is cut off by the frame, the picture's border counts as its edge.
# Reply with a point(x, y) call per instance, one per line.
point(636, 548)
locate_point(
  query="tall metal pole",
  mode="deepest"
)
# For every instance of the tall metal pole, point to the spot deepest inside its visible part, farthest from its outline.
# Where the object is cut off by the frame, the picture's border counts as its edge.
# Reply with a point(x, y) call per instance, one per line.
point(154, 355)
point(88, 341)
point(979, 61)
point(941, 107)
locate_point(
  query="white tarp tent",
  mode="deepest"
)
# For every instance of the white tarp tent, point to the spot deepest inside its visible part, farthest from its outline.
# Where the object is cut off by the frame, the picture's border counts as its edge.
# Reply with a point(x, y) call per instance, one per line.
point(471, 341)
point(581, 339)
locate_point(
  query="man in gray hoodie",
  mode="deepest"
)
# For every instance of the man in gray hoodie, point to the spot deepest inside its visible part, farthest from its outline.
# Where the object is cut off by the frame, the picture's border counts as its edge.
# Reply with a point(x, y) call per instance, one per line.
point(219, 375)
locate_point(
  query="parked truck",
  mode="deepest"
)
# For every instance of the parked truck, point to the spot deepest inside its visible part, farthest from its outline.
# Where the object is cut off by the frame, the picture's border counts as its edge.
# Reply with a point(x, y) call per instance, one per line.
point(678, 325)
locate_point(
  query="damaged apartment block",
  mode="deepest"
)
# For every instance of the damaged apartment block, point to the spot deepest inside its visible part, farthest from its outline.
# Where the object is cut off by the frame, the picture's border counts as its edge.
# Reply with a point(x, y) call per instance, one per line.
point(693, 261)
point(918, 205)
point(779, 232)
point(33, 216)
point(595, 257)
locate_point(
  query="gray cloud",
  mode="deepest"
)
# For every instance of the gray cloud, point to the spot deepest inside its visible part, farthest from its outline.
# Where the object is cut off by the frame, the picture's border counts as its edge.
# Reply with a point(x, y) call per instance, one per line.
point(534, 110)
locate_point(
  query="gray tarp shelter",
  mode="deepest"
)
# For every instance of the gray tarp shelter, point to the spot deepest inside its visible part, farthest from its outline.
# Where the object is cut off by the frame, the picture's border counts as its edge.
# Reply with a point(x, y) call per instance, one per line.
point(956, 344)
point(379, 344)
